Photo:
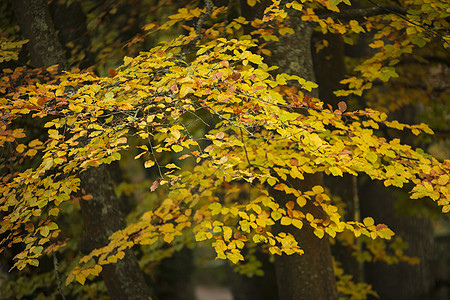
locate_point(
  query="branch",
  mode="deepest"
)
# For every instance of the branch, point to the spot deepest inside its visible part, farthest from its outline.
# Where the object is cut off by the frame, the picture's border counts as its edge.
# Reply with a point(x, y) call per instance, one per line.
point(359, 13)
point(58, 279)
point(378, 9)
point(208, 10)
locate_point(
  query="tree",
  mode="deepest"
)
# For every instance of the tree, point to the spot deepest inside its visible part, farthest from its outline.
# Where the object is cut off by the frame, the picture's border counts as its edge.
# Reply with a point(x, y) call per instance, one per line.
point(267, 134)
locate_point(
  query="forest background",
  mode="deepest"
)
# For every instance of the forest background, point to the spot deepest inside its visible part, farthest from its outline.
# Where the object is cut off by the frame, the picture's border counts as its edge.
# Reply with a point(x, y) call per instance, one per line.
point(137, 134)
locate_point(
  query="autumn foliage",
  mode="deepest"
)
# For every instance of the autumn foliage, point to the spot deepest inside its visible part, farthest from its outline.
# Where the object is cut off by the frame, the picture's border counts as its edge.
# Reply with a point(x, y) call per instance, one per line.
point(213, 120)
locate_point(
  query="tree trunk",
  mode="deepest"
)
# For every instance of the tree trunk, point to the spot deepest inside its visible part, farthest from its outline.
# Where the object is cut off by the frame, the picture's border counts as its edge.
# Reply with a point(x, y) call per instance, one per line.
point(256, 287)
point(311, 275)
point(36, 25)
point(399, 281)
point(329, 67)
point(102, 215)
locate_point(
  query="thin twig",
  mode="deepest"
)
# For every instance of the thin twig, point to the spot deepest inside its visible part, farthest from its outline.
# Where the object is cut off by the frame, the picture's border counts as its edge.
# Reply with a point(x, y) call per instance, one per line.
point(249, 167)
point(432, 32)
point(360, 13)
point(198, 27)
point(227, 16)
point(154, 155)
point(58, 279)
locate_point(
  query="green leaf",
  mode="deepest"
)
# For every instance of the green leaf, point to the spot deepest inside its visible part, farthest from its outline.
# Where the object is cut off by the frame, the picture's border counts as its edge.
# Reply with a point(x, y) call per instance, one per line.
point(335, 2)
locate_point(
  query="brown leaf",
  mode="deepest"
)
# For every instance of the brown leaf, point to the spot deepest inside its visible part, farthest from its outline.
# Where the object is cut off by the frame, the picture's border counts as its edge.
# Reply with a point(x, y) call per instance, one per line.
point(220, 135)
point(307, 100)
point(342, 106)
point(155, 184)
point(235, 76)
point(217, 75)
point(87, 197)
point(381, 226)
point(112, 72)
point(294, 162)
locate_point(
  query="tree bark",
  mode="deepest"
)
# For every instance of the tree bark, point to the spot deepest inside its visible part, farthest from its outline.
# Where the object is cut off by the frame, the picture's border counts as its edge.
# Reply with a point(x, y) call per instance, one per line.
point(256, 287)
point(397, 281)
point(402, 280)
point(329, 67)
point(37, 26)
point(102, 215)
point(311, 275)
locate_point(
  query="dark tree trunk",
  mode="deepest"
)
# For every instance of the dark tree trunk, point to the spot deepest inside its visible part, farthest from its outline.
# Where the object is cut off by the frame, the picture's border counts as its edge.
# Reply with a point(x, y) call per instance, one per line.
point(399, 281)
point(102, 215)
point(72, 31)
point(256, 287)
point(311, 275)
point(37, 26)
point(329, 67)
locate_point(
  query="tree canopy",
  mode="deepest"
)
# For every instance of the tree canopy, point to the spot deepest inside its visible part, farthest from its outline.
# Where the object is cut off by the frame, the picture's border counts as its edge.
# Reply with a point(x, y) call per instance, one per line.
point(209, 114)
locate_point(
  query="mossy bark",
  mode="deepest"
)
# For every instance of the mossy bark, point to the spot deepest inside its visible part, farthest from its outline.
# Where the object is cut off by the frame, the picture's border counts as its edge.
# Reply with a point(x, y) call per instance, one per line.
point(37, 26)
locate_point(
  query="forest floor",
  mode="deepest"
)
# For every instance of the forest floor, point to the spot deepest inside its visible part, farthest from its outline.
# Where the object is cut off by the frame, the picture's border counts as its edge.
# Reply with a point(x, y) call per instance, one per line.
point(212, 293)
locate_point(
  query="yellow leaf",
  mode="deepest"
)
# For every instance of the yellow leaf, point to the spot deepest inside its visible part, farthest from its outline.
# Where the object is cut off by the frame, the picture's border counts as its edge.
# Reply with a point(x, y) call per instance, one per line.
point(177, 148)
point(227, 233)
point(368, 221)
point(80, 278)
point(319, 232)
point(215, 208)
point(200, 236)
point(271, 181)
point(301, 201)
point(377, 44)
point(18, 133)
point(446, 209)
point(185, 89)
point(139, 155)
point(149, 163)
point(98, 268)
point(109, 95)
point(256, 59)
point(127, 60)
point(275, 215)
point(297, 223)
point(286, 221)
point(69, 279)
point(317, 189)
point(20, 148)
point(44, 231)
point(168, 238)
point(112, 259)
point(235, 257)
point(336, 171)
point(443, 180)
point(120, 255)
point(172, 166)
point(330, 231)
